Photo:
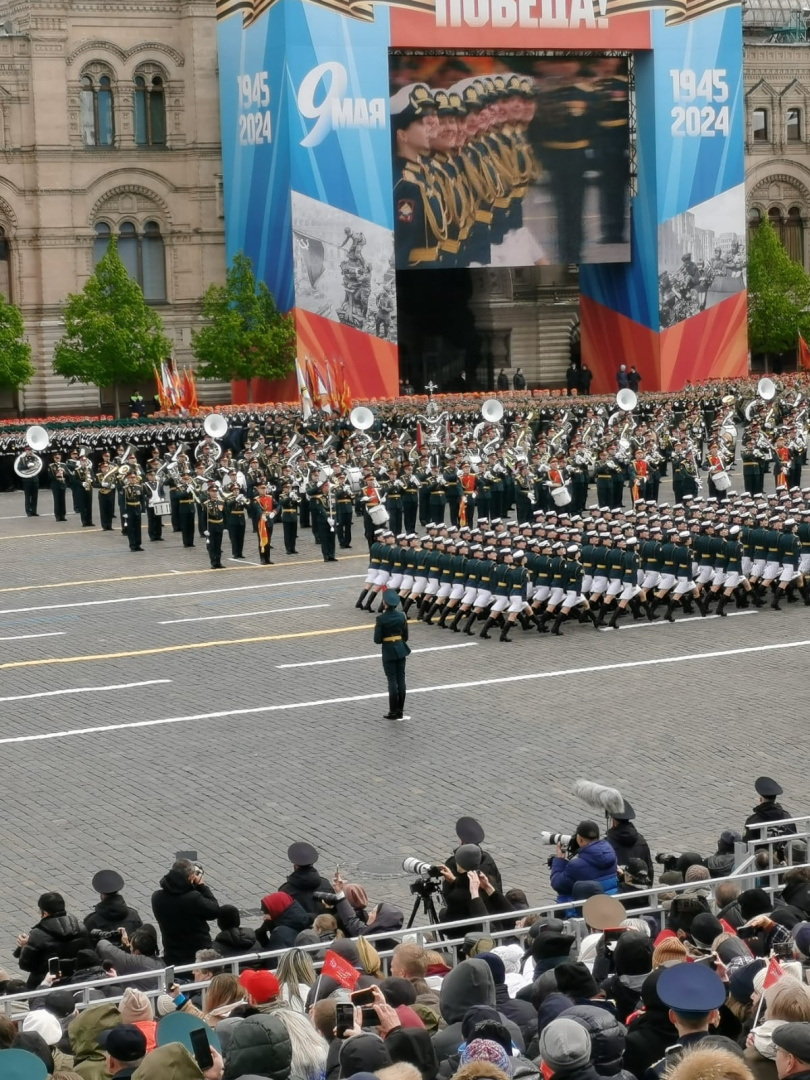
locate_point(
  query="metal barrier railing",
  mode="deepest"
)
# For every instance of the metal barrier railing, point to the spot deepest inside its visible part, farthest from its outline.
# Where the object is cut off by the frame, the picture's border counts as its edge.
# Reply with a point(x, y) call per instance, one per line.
point(440, 937)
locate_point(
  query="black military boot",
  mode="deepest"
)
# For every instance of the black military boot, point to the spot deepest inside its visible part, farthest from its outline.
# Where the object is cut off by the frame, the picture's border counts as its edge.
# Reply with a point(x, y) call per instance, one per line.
point(670, 608)
point(456, 620)
point(361, 598)
point(443, 617)
point(468, 625)
point(557, 624)
point(485, 632)
point(505, 633)
point(721, 605)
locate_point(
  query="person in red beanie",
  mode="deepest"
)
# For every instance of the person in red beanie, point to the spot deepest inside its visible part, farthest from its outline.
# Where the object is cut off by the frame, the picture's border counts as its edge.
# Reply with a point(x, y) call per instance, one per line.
point(261, 986)
point(284, 919)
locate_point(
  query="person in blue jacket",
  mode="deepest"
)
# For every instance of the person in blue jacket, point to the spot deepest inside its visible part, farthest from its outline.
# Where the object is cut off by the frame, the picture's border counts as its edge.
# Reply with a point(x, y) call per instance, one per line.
point(594, 861)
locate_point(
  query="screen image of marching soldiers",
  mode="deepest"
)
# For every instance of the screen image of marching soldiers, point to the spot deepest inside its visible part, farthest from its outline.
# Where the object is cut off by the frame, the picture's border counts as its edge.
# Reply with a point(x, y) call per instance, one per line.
point(344, 267)
point(510, 160)
point(701, 257)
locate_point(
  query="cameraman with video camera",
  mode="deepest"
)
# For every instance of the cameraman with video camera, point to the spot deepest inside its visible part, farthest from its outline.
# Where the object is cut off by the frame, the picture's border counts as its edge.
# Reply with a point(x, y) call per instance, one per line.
point(594, 860)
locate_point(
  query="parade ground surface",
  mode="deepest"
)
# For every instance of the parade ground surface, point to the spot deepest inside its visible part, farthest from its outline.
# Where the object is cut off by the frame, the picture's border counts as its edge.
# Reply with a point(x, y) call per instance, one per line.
point(151, 705)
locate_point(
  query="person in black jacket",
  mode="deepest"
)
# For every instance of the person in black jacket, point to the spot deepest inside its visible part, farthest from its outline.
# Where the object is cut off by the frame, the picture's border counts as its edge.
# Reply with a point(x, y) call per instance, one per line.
point(768, 809)
point(111, 912)
point(284, 919)
point(233, 939)
point(305, 879)
point(469, 831)
point(462, 889)
point(183, 907)
point(522, 1013)
point(627, 841)
point(651, 1032)
point(56, 934)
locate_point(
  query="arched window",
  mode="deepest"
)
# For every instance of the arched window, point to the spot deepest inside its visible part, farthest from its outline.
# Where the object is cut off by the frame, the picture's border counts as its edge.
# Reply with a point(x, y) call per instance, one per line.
point(150, 111)
point(754, 219)
point(101, 241)
point(142, 253)
point(96, 111)
point(794, 235)
point(775, 218)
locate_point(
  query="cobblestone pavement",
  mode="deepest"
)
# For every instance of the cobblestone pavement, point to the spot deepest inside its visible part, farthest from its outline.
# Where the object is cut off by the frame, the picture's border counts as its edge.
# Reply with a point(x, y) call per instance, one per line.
point(235, 753)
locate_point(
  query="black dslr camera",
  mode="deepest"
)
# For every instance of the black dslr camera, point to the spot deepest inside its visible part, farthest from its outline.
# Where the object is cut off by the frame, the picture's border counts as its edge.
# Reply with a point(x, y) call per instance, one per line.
point(428, 880)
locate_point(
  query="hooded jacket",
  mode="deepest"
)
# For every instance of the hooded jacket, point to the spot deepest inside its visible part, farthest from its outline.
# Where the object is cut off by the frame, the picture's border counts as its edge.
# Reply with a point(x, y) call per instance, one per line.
point(236, 942)
point(519, 1012)
point(416, 1048)
point(259, 1045)
point(633, 963)
point(55, 935)
point(301, 884)
point(469, 984)
point(628, 843)
point(607, 1038)
point(361, 1053)
point(281, 932)
point(183, 912)
point(169, 1062)
point(797, 894)
point(83, 1032)
point(594, 862)
point(111, 912)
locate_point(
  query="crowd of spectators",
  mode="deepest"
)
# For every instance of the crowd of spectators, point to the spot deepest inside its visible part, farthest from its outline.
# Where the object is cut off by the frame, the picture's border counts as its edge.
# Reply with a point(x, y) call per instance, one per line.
point(711, 986)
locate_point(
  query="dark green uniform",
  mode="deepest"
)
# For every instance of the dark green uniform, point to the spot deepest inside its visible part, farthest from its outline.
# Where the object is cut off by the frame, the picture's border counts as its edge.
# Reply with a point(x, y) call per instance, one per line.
point(391, 631)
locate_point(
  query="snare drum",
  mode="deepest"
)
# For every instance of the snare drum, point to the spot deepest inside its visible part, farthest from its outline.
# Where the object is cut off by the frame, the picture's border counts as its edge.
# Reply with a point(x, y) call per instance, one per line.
point(561, 496)
point(721, 480)
point(378, 514)
point(160, 508)
point(354, 476)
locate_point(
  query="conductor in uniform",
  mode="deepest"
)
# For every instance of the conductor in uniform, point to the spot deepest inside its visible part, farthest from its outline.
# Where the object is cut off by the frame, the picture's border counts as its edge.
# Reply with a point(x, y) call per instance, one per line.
point(391, 632)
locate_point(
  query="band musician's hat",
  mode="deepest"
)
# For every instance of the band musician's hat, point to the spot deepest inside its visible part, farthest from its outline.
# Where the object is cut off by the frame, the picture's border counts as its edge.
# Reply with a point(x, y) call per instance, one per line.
point(766, 787)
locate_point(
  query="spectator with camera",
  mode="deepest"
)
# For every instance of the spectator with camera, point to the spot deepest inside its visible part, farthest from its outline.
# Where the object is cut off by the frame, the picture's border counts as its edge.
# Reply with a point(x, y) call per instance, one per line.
point(283, 920)
point(183, 906)
point(381, 918)
point(134, 955)
point(592, 859)
point(626, 840)
point(467, 891)
point(56, 934)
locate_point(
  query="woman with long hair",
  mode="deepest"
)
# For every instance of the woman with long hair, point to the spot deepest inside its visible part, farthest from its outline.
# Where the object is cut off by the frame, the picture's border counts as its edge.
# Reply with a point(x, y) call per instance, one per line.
point(223, 995)
point(309, 1048)
point(295, 974)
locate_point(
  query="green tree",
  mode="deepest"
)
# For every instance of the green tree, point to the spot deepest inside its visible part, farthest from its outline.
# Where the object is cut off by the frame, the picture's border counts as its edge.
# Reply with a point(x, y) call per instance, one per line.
point(16, 368)
point(111, 336)
point(778, 295)
point(246, 336)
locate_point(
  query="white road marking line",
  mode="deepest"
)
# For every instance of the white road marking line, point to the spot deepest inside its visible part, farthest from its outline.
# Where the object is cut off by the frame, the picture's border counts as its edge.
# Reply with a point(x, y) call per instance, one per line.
point(15, 517)
point(242, 614)
point(24, 637)
point(690, 618)
point(246, 562)
point(175, 595)
point(289, 707)
point(85, 690)
point(376, 655)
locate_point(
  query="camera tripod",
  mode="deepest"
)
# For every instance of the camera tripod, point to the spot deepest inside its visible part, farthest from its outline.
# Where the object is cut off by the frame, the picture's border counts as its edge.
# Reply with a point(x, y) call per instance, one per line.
point(424, 891)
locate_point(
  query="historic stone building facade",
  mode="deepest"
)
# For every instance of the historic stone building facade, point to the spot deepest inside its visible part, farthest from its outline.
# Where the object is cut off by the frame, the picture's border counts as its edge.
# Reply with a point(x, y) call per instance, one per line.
point(777, 121)
point(109, 124)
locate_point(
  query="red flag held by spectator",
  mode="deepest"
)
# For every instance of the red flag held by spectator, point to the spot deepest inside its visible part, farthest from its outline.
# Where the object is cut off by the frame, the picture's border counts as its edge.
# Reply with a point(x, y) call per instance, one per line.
point(803, 355)
point(335, 967)
point(773, 974)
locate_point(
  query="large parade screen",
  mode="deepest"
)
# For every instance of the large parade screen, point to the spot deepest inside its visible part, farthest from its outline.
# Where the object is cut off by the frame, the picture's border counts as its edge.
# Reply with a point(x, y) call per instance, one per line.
point(510, 160)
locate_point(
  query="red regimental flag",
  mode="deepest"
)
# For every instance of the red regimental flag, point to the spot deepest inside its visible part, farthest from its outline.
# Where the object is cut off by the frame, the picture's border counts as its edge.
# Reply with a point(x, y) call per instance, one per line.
point(335, 967)
point(773, 974)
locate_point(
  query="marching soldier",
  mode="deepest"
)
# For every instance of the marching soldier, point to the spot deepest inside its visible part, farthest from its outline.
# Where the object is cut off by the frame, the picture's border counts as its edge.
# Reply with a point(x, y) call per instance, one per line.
point(265, 516)
point(154, 522)
point(410, 497)
point(106, 493)
point(235, 503)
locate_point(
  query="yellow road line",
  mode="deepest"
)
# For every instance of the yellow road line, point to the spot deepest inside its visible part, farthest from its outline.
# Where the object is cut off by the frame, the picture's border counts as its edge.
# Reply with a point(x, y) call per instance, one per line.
point(179, 648)
point(163, 574)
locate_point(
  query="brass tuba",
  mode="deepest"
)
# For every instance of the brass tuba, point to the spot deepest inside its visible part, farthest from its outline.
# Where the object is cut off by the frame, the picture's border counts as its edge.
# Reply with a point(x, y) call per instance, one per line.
point(29, 464)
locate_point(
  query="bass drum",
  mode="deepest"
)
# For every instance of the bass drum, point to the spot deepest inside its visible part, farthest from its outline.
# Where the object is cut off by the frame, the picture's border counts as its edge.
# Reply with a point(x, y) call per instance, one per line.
point(378, 514)
point(721, 480)
point(561, 496)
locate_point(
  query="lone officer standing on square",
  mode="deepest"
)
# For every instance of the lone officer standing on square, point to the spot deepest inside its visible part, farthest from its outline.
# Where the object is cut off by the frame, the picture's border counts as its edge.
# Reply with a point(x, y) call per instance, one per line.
point(391, 631)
